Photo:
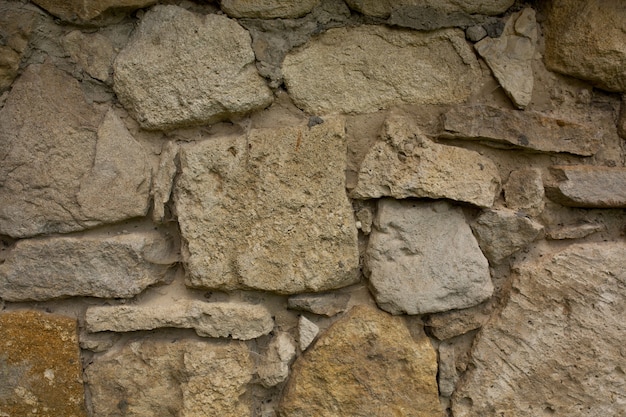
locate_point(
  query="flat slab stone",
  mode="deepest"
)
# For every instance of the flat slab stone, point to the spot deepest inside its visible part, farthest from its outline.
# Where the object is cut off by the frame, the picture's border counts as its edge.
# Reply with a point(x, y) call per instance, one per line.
point(119, 266)
point(84, 10)
point(587, 186)
point(268, 211)
point(182, 69)
point(347, 70)
point(520, 129)
point(557, 348)
point(423, 258)
point(236, 320)
point(268, 9)
point(366, 362)
point(40, 365)
point(386, 8)
point(324, 304)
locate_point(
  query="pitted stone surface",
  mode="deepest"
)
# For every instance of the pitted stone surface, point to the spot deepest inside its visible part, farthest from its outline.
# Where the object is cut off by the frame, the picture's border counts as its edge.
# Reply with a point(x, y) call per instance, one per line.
point(324, 304)
point(182, 69)
point(524, 191)
point(349, 70)
point(385, 8)
point(423, 258)
point(83, 10)
point(587, 186)
point(93, 52)
point(268, 211)
point(17, 23)
point(274, 366)
point(268, 9)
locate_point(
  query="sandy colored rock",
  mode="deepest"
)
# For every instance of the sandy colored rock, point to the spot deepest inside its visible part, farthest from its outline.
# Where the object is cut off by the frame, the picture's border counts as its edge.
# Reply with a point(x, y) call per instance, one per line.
point(236, 320)
point(385, 8)
point(274, 367)
point(621, 122)
point(268, 211)
point(455, 323)
point(558, 345)
point(119, 266)
point(324, 304)
point(524, 191)
point(405, 163)
point(163, 182)
point(171, 378)
point(40, 366)
point(587, 186)
point(348, 70)
point(268, 9)
point(17, 22)
point(307, 332)
point(365, 364)
point(182, 69)
point(92, 51)
point(574, 231)
point(587, 40)
point(510, 56)
point(84, 10)
point(423, 258)
point(523, 129)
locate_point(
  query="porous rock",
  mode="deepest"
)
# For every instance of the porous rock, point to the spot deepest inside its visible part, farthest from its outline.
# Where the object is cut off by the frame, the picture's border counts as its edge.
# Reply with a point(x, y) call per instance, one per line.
point(182, 69)
point(348, 70)
point(93, 52)
point(17, 22)
point(274, 367)
point(574, 231)
point(163, 182)
point(423, 258)
point(404, 163)
point(365, 364)
point(40, 365)
point(324, 304)
point(587, 186)
point(268, 211)
point(236, 320)
point(268, 9)
point(118, 266)
point(557, 346)
point(85, 10)
point(524, 191)
point(385, 8)
point(449, 324)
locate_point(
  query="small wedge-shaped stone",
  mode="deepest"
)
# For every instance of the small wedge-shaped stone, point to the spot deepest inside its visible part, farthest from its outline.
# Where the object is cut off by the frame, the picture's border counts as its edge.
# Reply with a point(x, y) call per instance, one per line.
point(182, 69)
point(524, 129)
point(407, 164)
point(236, 320)
point(324, 304)
point(588, 186)
point(119, 266)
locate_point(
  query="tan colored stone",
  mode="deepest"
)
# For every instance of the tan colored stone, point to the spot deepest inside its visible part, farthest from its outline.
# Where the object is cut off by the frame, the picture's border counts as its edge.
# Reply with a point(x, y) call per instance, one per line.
point(268, 9)
point(557, 348)
point(407, 164)
point(621, 121)
point(93, 52)
point(268, 211)
point(324, 304)
point(455, 323)
point(587, 39)
point(163, 182)
point(182, 69)
point(307, 332)
point(524, 191)
point(17, 22)
point(365, 364)
point(274, 366)
point(40, 367)
point(385, 8)
point(348, 69)
point(587, 186)
point(83, 10)
point(574, 231)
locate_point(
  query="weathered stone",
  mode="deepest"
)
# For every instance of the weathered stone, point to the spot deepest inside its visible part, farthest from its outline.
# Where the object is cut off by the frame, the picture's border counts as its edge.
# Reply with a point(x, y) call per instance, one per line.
point(575, 231)
point(236, 320)
point(307, 332)
point(274, 367)
point(93, 52)
point(475, 33)
point(453, 359)
point(621, 121)
point(587, 40)
point(524, 191)
point(40, 366)
point(365, 218)
point(385, 8)
point(324, 304)
point(420, 17)
point(84, 10)
point(510, 56)
point(348, 70)
point(454, 323)
point(268, 9)
point(171, 378)
point(163, 182)
point(182, 69)
point(65, 167)
point(423, 258)
point(17, 22)
point(9, 64)
point(587, 186)
point(268, 211)
point(503, 232)
point(407, 164)
point(523, 129)
point(119, 266)
point(558, 345)
point(365, 364)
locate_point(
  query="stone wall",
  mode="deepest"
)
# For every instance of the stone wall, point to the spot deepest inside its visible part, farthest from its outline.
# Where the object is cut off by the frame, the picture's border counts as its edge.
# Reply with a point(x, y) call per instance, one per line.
point(312, 208)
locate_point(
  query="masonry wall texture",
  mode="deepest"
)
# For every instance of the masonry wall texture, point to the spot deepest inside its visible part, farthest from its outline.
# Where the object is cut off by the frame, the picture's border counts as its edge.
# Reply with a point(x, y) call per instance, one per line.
point(308, 208)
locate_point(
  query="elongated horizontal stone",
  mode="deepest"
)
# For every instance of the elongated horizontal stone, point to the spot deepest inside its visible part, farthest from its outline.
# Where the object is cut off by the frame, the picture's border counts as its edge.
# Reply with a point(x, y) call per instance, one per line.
point(268, 9)
point(588, 186)
point(236, 320)
point(383, 9)
point(522, 129)
point(119, 266)
point(77, 10)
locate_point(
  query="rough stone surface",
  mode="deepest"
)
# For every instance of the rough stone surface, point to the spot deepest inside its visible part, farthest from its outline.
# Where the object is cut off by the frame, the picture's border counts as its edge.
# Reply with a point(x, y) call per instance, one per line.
point(324, 304)
point(587, 40)
point(366, 364)
point(510, 56)
point(40, 366)
point(557, 347)
point(365, 218)
point(268, 9)
point(453, 358)
point(268, 211)
point(407, 164)
point(182, 69)
point(524, 191)
point(524, 129)
point(110, 267)
point(348, 70)
point(67, 165)
point(475, 33)
point(423, 258)
point(501, 233)
point(574, 231)
point(621, 122)
point(275, 365)
point(83, 10)
point(93, 52)
point(163, 182)
point(455, 323)
point(17, 23)
point(307, 332)
point(385, 8)
point(171, 378)
point(587, 186)
point(420, 17)
point(236, 320)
